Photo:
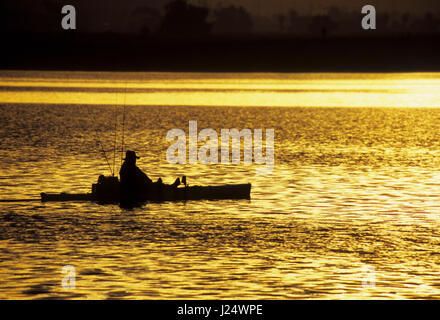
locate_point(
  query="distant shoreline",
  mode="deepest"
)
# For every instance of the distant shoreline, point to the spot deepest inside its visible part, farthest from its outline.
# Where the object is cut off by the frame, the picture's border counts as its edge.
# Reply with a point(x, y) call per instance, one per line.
point(116, 52)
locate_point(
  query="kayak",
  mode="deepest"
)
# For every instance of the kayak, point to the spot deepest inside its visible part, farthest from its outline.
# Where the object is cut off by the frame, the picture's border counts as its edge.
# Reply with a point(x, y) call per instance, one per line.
point(107, 191)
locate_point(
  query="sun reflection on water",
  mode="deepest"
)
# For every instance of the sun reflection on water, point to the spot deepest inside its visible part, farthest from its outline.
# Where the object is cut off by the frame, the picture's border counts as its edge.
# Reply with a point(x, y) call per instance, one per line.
point(319, 90)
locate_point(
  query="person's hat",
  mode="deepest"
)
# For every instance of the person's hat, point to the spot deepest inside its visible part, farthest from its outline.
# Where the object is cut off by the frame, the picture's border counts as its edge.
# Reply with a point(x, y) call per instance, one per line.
point(131, 155)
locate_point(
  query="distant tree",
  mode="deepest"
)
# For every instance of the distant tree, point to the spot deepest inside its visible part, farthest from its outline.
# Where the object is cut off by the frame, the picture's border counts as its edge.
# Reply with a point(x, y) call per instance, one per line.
point(182, 18)
point(281, 19)
point(431, 23)
point(293, 19)
point(144, 20)
point(293, 14)
point(383, 20)
point(51, 11)
point(22, 16)
point(427, 24)
point(406, 17)
point(335, 13)
point(322, 25)
point(232, 19)
point(341, 20)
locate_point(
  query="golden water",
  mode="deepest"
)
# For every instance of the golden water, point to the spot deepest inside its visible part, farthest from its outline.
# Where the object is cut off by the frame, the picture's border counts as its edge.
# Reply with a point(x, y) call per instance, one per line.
point(355, 187)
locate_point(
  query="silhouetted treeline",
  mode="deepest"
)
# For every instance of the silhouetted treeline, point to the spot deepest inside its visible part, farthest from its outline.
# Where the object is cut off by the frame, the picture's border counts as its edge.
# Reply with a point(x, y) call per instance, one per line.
point(185, 18)
point(182, 18)
point(339, 22)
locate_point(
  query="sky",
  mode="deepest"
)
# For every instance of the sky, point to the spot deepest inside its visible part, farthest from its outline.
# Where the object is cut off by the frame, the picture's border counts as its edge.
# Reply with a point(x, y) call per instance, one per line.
point(256, 6)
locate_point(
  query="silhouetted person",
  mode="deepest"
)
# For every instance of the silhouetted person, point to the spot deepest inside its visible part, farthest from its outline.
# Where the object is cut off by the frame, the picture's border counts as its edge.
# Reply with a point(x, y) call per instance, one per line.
point(133, 181)
point(136, 186)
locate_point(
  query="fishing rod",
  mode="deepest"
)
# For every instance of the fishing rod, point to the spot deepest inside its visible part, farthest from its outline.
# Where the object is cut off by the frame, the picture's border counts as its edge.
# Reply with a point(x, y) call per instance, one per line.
point(101, 145)
point(103, 151)
point(123, 124)
point(116, 131)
